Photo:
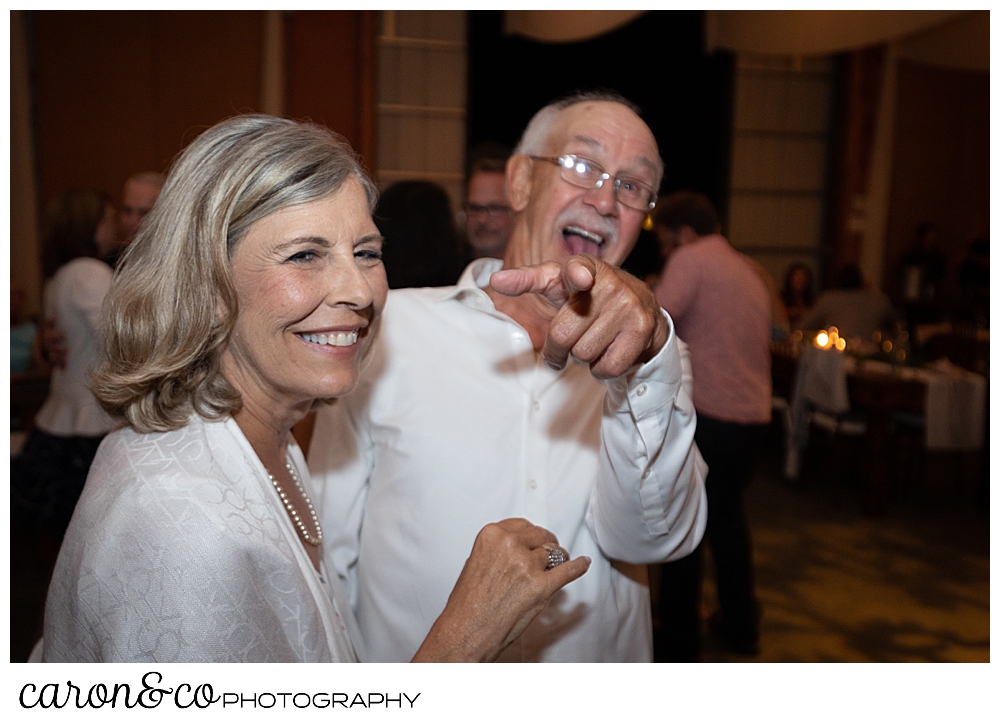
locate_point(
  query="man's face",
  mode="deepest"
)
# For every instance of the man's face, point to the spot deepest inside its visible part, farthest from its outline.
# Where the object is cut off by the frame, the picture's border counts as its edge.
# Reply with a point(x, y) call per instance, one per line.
point(137, 200)
point(561, 219)
point(489, 219)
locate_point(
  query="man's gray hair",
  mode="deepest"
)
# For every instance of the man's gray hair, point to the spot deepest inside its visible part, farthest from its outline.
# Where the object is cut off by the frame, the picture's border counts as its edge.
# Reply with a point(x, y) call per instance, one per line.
point(534, 139)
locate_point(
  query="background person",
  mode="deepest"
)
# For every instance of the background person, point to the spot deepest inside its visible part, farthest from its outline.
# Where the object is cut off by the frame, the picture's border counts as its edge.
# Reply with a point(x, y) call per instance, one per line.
point(422, 247)
point(798, 294)
point(253, 290)
point(47, 477)
point(139, 194)
point(489, 219)
point(856, 311)
point(722, 309)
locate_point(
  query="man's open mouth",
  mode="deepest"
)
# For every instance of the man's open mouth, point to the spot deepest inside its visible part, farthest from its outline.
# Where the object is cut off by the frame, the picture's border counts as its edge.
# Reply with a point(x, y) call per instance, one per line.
point(581, 241)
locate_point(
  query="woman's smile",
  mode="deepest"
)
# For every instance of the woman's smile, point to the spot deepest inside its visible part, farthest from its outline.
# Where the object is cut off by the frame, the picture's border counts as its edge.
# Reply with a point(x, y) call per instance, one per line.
point(338, 338)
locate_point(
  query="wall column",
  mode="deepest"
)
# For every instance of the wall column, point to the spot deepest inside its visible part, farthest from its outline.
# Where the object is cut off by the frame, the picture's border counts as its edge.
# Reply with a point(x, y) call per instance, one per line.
point(880, 174)
point(23, 197)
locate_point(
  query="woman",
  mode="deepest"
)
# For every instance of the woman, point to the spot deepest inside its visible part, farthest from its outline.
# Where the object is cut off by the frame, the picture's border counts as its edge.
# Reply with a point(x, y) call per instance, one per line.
point(798, 295)
point(49, 474)
point(253, 290)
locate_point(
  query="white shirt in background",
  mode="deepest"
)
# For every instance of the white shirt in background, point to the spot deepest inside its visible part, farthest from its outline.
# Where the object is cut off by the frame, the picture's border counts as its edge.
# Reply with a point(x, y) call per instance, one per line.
point(73, 298)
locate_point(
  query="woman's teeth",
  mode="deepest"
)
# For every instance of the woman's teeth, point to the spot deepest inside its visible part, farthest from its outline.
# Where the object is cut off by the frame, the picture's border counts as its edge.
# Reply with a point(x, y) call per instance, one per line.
point(339, 338)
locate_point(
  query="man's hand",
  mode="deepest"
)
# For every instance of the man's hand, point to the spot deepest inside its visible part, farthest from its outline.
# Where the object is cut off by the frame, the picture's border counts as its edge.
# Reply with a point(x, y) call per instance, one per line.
point(607, 317)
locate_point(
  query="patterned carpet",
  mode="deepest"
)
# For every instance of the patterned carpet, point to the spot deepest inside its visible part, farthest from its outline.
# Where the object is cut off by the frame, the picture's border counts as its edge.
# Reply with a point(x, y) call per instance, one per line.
point(836, 585)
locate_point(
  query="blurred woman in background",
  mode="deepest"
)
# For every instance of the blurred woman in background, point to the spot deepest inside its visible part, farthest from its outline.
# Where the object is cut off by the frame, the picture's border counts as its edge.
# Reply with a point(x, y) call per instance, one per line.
point(46, 479)
point(799, 294)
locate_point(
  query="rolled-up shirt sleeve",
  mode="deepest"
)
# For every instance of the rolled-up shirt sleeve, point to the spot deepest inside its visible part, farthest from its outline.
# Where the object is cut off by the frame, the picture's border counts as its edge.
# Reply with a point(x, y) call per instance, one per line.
point(649, 504)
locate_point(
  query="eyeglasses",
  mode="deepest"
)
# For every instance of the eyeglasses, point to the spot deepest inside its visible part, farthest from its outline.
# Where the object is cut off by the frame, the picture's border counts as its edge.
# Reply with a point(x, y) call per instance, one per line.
point(493, 209)
point(585, 173)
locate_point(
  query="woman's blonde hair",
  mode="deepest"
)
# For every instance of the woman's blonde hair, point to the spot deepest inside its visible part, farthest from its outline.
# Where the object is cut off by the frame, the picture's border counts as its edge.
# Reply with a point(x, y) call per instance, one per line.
point(173, 305)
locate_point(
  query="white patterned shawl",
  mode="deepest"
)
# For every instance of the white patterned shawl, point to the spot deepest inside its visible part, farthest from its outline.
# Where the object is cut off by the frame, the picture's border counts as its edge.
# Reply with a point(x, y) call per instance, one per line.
point(180, 551)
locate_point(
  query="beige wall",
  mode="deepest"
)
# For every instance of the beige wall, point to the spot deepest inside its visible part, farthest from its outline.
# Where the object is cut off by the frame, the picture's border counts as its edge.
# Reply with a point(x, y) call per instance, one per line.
point(422, 70)
point(929, 157)
point(781, 129)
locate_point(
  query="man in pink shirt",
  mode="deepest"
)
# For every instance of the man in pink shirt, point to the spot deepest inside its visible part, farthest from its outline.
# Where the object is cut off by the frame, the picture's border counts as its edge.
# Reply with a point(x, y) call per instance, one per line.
point(722, 309)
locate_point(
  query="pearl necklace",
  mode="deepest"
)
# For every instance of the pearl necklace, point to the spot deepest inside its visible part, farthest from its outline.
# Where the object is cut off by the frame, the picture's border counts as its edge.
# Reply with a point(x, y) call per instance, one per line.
point(299, 524)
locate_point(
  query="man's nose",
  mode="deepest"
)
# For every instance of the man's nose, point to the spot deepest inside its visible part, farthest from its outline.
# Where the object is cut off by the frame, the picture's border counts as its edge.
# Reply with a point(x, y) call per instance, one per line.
point(603, 199)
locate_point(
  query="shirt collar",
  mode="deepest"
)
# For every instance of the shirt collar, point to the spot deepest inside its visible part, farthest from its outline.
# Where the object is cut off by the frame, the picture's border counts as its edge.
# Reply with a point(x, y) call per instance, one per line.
point(475, 278)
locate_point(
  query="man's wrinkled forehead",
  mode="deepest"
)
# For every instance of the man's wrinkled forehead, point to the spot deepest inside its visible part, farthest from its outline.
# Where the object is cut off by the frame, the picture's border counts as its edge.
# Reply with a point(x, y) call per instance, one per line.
point(597, 148)
point(590, 127)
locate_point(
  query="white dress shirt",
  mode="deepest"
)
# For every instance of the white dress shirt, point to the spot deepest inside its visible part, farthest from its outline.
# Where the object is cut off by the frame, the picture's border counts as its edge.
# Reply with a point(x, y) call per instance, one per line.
point(458, 423)
point(180, 550)
point(73, 298)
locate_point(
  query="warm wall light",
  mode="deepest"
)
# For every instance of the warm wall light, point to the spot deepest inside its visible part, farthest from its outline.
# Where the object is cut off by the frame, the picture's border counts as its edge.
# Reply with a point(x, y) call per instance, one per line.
point(822, 340)
point(841, 344)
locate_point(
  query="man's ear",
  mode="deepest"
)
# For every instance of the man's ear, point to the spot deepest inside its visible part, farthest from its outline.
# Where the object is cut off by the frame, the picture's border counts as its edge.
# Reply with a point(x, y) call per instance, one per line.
point(518, 182)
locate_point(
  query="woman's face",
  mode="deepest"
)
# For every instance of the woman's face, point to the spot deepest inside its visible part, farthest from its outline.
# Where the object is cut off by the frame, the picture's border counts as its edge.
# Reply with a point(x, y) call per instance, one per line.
point(310, 285)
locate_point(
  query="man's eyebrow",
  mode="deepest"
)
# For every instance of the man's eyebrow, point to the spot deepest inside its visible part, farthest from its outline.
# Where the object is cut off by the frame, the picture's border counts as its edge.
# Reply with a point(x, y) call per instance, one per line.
point(598, 146)
point(592, 142)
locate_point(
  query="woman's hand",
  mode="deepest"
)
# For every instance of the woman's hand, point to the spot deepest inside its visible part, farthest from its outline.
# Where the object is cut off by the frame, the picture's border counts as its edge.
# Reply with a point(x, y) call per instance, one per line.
point(502, 588)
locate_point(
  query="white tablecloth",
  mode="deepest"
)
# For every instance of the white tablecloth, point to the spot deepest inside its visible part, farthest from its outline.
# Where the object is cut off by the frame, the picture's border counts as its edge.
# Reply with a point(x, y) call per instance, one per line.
point(954, 412)
point(954, 408)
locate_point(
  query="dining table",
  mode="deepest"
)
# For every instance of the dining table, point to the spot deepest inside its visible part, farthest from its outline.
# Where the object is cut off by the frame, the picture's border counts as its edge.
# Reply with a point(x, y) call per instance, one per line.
point(948, 402)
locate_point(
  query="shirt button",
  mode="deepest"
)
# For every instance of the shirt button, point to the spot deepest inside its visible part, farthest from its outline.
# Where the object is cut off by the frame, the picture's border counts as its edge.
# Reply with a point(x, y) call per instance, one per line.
point(532, 484)
point(640, 390)
point(536, 406)
point(517, 336)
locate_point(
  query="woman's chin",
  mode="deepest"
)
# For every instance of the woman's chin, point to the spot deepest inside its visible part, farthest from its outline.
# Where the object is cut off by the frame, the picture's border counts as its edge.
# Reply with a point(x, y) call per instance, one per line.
point(335, 387)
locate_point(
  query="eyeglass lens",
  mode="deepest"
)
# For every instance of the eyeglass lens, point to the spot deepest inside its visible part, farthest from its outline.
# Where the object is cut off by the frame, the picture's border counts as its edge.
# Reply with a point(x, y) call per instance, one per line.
point(588, 174)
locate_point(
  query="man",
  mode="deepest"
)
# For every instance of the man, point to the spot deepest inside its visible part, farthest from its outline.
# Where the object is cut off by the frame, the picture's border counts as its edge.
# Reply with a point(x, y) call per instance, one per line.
point(722, 309)
point(138, 196)
point(488, 217)
point(469, 411)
